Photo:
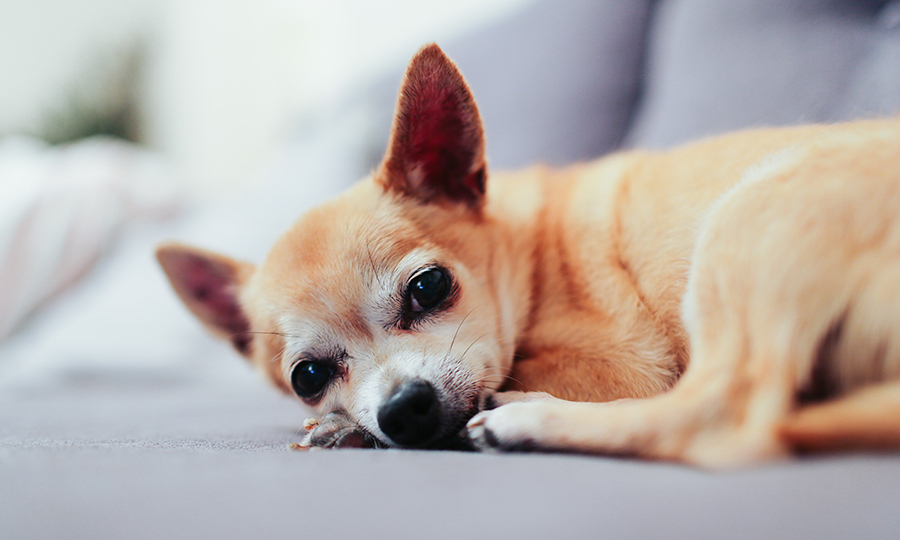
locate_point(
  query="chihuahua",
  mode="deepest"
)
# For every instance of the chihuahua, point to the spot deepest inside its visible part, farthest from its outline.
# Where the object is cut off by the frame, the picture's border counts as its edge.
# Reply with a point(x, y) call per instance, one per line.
point(730, 301)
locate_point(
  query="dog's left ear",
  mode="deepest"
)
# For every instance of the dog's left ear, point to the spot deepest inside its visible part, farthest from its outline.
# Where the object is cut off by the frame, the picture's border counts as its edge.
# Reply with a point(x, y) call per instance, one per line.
point(436, 150)
point(209, 285)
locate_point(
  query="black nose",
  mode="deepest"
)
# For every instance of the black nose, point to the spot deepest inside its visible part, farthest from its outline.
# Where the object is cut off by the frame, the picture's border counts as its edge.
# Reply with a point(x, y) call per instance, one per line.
point(411, 414)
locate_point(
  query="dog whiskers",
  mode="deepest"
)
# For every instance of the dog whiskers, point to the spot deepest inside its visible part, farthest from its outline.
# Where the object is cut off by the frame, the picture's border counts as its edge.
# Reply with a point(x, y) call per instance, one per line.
point(279, 334)
point(458, 328)
point(499, 376)
point(465, 352)
point(372, 264)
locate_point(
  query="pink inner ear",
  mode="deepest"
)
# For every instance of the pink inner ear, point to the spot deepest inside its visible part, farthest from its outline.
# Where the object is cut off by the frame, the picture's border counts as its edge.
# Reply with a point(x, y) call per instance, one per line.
point(437, 144)
point(440, 146)
point(213, 291)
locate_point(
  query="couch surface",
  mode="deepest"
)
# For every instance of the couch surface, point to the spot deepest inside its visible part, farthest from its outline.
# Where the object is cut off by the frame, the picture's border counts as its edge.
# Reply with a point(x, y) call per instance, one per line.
point(120, 418)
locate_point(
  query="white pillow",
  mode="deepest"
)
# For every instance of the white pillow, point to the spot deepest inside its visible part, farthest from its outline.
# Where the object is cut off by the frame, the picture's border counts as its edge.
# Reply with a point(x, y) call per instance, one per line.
point(61, 206)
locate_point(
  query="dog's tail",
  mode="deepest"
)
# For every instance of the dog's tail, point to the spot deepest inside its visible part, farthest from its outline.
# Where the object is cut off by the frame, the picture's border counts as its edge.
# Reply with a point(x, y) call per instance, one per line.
point(868, 419)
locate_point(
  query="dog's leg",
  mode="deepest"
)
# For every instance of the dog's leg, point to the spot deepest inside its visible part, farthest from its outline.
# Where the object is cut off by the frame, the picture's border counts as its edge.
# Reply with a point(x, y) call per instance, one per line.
point(723, 412)
point(698, 423)
point(866, 419)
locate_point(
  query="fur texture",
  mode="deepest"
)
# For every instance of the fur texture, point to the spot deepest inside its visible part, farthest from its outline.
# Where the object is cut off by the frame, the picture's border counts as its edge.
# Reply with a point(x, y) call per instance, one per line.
point(725, 302)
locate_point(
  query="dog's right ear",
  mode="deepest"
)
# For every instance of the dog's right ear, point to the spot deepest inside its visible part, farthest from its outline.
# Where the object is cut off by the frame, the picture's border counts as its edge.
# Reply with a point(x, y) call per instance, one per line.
point(436, 149)
point(209, 285)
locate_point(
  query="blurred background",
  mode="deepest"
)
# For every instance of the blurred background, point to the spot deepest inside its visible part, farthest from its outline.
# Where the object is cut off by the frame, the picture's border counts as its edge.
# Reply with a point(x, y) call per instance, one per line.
point(212, 85)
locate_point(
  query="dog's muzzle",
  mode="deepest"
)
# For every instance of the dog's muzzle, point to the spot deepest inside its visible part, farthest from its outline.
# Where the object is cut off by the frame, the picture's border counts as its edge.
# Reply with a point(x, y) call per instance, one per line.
point(411, 415)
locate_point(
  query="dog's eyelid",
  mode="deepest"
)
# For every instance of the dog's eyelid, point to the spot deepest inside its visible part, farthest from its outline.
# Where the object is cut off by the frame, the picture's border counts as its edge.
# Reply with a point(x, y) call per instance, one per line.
point(425, 268)
point(333, 360)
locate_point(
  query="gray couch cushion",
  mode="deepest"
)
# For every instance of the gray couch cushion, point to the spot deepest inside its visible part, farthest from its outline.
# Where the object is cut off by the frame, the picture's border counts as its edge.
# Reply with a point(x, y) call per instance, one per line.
point(717, 66)
point(557, 82)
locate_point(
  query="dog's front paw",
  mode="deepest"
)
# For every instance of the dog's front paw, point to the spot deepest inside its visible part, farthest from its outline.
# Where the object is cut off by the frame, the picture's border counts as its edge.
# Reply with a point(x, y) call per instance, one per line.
point(517, 426)
point(336, 430)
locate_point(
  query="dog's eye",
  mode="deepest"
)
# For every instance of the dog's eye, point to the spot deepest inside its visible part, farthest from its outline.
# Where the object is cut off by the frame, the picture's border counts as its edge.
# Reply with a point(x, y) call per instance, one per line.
point(309, 378)
point(428, 289)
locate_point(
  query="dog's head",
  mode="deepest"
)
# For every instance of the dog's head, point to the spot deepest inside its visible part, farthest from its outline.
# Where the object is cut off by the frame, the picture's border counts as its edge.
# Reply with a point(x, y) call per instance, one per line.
point(388, 302)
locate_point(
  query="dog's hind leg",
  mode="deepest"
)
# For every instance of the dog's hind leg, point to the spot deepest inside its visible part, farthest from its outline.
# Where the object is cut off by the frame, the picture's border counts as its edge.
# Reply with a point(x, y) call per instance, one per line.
point(865, 419)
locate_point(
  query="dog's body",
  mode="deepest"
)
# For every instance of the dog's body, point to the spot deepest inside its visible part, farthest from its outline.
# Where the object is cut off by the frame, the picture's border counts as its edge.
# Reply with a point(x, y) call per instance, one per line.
point(759, 270)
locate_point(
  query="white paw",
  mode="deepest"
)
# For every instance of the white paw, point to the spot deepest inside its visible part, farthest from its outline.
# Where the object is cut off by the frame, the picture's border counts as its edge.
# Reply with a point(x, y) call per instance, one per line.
point(513, 427)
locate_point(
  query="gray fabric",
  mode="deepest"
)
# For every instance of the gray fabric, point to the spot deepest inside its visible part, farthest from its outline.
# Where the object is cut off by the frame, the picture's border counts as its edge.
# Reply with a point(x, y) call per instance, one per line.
point(154, 492)
point(187, 456)
point(120, 418)
point(557, 96)
point(719, 66)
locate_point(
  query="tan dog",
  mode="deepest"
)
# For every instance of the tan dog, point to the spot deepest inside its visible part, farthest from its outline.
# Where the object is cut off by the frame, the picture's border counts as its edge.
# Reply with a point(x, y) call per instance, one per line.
point(759, 270)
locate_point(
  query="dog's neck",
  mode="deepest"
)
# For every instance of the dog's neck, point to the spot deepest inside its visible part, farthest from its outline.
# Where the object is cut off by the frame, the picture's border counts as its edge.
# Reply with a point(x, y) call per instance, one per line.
point(525, 212)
